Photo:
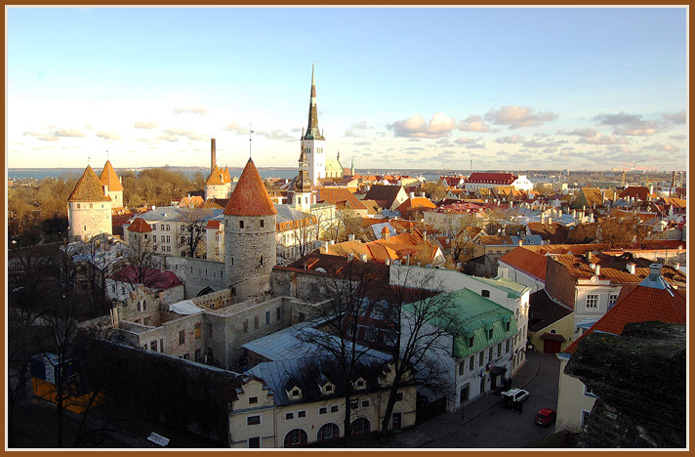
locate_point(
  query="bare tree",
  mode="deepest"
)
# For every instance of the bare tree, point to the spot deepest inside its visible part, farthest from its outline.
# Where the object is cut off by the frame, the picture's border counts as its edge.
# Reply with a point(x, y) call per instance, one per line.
point(192, 236)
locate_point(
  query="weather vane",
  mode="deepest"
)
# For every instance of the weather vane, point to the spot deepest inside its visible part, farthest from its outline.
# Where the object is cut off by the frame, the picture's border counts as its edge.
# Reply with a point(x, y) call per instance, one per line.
point(250, 132)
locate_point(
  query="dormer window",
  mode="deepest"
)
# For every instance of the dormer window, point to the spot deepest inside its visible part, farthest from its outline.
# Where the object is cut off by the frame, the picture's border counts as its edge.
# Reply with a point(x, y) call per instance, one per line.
point(360, 384)
point(470, 341)
point(489, 334)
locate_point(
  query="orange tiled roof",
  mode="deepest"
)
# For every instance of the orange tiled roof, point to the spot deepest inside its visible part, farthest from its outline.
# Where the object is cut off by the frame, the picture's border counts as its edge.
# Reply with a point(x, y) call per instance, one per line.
point(641, 193)
point(218, 177)
point(340, 197)
point(88, 188)
point(139, 225)
point(533, 259)
point(109, 178)
point(555, 232)
point(250, 197)
point(416, 202)
point(642, 304)
point(212, 224)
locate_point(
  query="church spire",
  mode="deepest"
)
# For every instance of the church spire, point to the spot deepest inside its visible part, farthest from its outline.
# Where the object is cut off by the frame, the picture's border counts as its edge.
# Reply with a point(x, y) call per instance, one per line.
point(312, 130)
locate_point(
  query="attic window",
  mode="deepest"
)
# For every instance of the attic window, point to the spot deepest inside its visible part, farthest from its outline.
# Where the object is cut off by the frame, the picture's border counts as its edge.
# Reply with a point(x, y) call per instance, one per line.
point(360, 383)
point(470, 342)
point(328, 388)
point(489, 334)
point(253, 400)
point(295, 393)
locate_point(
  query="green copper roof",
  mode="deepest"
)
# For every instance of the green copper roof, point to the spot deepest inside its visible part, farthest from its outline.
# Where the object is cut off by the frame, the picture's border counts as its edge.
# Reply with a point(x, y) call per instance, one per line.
point(471, 316)
point(513, 289)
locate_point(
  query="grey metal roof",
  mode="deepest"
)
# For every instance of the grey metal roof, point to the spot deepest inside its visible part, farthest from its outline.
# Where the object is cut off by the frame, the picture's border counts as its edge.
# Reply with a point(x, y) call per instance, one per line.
point(176, 214)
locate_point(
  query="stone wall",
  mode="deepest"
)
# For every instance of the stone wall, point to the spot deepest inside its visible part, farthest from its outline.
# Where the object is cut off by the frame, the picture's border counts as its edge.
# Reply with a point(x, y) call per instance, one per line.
point(197, 274)
point(89, 219)
point(640, 380)
point(559, 283)
point(250, 254)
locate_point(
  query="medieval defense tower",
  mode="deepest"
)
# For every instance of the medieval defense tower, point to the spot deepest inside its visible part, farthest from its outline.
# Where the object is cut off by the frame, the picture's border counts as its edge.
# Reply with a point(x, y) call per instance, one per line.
point(249, 236)
point(89, 207)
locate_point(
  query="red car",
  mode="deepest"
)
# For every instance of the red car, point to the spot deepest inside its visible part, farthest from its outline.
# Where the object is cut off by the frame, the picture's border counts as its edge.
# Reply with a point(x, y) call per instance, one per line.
point(545, 416)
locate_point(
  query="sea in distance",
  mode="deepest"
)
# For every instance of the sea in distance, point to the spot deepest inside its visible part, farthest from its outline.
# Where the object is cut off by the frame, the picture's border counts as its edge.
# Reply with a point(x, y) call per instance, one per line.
point(288, 173)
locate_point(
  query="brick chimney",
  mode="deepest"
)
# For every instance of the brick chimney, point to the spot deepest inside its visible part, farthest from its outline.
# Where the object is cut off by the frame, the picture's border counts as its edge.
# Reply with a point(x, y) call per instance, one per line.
point(213, 154)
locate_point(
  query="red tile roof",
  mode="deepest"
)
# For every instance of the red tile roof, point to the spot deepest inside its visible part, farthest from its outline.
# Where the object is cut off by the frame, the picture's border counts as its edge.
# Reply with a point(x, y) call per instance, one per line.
point(152, 278)
point(491, 178)
point(533, 260)
point(109, 178)
point(139, 225)
point(641, 304)
point(218, 177)
point(415, 202)
point(340, 197)
point(250, 197)
point(88, 188)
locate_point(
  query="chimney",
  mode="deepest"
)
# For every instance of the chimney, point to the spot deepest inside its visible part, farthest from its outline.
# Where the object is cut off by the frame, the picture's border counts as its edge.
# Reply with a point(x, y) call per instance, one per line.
point(520, 242)
point(351, 256)
point(351, 237)
point(588, 255)
point(412, 195)
point(631, 268)
point(597, 269)
point(213, 154)
point(387, 261)
point(550, 220)
point(655, 271)
point(364, 258)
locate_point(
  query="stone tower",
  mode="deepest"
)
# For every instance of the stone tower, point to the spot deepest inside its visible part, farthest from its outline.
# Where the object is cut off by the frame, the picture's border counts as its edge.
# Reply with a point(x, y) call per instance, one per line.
point(89, 208)
point(312, 140)
point(249, 236)
point(302, 197)
point(113, 186)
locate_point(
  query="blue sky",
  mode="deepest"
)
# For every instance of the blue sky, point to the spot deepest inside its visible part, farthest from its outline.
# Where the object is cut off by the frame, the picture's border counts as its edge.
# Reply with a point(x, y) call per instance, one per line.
point(509, 88)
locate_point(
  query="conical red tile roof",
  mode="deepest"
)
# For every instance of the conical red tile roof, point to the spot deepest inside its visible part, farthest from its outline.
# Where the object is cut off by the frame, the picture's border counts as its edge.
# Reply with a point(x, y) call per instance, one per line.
point(88, 188)
point(109, 178)
point(250, 197)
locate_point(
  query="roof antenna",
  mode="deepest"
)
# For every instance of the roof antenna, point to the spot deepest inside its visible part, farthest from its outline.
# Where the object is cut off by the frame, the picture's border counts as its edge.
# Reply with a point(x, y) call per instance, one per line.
point(107, 154)
point(88, 160)
point(250, 132)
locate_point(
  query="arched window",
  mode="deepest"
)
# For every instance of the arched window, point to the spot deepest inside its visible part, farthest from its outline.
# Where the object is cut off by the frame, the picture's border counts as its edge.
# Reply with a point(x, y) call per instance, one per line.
point(296, 437)
point(328, 432)
point(360, 426)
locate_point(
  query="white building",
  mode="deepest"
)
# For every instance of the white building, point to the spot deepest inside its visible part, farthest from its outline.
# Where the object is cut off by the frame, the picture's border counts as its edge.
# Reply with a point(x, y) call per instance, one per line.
point(89, 208)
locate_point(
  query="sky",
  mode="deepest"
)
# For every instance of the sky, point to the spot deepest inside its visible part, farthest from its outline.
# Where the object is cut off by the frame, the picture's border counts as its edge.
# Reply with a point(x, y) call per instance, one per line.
point(430, 88)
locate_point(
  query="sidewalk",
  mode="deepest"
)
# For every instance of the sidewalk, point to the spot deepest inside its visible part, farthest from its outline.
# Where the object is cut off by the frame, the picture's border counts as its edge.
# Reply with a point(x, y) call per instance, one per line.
point(422, 434)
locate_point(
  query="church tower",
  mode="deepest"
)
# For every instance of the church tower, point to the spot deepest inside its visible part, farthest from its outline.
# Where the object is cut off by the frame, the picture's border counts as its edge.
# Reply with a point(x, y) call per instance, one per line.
point(302, 197)
point(313, 140)
point(89, 208)
point(249, 236)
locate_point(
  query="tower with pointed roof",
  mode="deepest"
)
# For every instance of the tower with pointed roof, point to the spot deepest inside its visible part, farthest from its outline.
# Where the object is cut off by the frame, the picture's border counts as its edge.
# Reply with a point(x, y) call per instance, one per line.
point(249, 236)
point(89, 208)
point(302, 196)
point(313, 140)
point(112, 185)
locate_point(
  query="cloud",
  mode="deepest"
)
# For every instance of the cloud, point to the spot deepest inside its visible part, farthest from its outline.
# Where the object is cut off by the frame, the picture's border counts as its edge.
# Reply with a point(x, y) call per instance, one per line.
point(668, 147)
point(30, 134)
point(629, 124)
point(591, 136)
point(173, 134)
point(68, 133)
point(517, 116)
point(108, 135)
point(277, 135)
point(514, 139)
point(415, 126)
point(363, 143)
point(675, 118)
point(474, 124)
point(471, 143)
point(679, 137)
point(48, 138)
point(236, 128)
point(145, 125)
point(191, 110)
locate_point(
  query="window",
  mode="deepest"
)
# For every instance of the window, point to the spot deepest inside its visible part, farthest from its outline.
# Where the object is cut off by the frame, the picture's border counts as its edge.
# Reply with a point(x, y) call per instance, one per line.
point(253, 420)
point(267, 317)
point(78, 206)
point(253, 400)
point(489, 353)
point(335, 408)
point(154, 238)
point(196, 330)
point(592, 301)
point(168, 239)
point(255, 321)
point(360, 426)
point(301, 414)
point(153, 346)
point(399, 396)
point(255, 442)
point(481, 357)
point(246, 326)
point(585, 417)
point(161, 345)
point(371, 333)
point(161, 227)
point(506, 346)
point(262, 223)
point(499, 349)
point(209, 330)
point(295, 393)
point(323, 410)
point(360, 383)
point(470, 342)
point(507, 326)
point(354, 404)
point(241, 224)
point(278, 314)
point(489, 334)
point(296, 437)
point(365, 403)
point(261, 260)
point(167, 229)
point(612, 300)
point(485, 293)
point(588, 392)
point(182, 337)
point(302, 316)
point(289, 416)
point(328, 432)
point(462, 368)
point(328, 388)
point(197, 355)
point(471, 363)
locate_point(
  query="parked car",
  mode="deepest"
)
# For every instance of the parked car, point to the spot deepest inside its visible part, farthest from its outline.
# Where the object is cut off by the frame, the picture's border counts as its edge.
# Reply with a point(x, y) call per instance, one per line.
point(515, 395)
point(545, 416)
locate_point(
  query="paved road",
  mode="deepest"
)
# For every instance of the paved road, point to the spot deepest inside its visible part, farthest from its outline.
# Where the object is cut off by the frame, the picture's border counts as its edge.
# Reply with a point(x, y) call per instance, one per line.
point(488, 424)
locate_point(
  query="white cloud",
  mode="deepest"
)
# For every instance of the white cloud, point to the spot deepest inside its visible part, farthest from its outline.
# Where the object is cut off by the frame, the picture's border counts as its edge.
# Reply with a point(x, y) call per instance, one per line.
point(474, 124)
point(675, 118)
point(68, 133)
point(517, 116)
point(513, 139)
point(415, 126)
point(191, 110)
point(145, 125)
point(184, 133)
point(236, 128)
point(108, 135)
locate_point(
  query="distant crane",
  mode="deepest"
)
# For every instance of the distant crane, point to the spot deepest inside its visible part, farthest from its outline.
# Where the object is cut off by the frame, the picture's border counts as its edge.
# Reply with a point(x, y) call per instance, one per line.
point(632, 167)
